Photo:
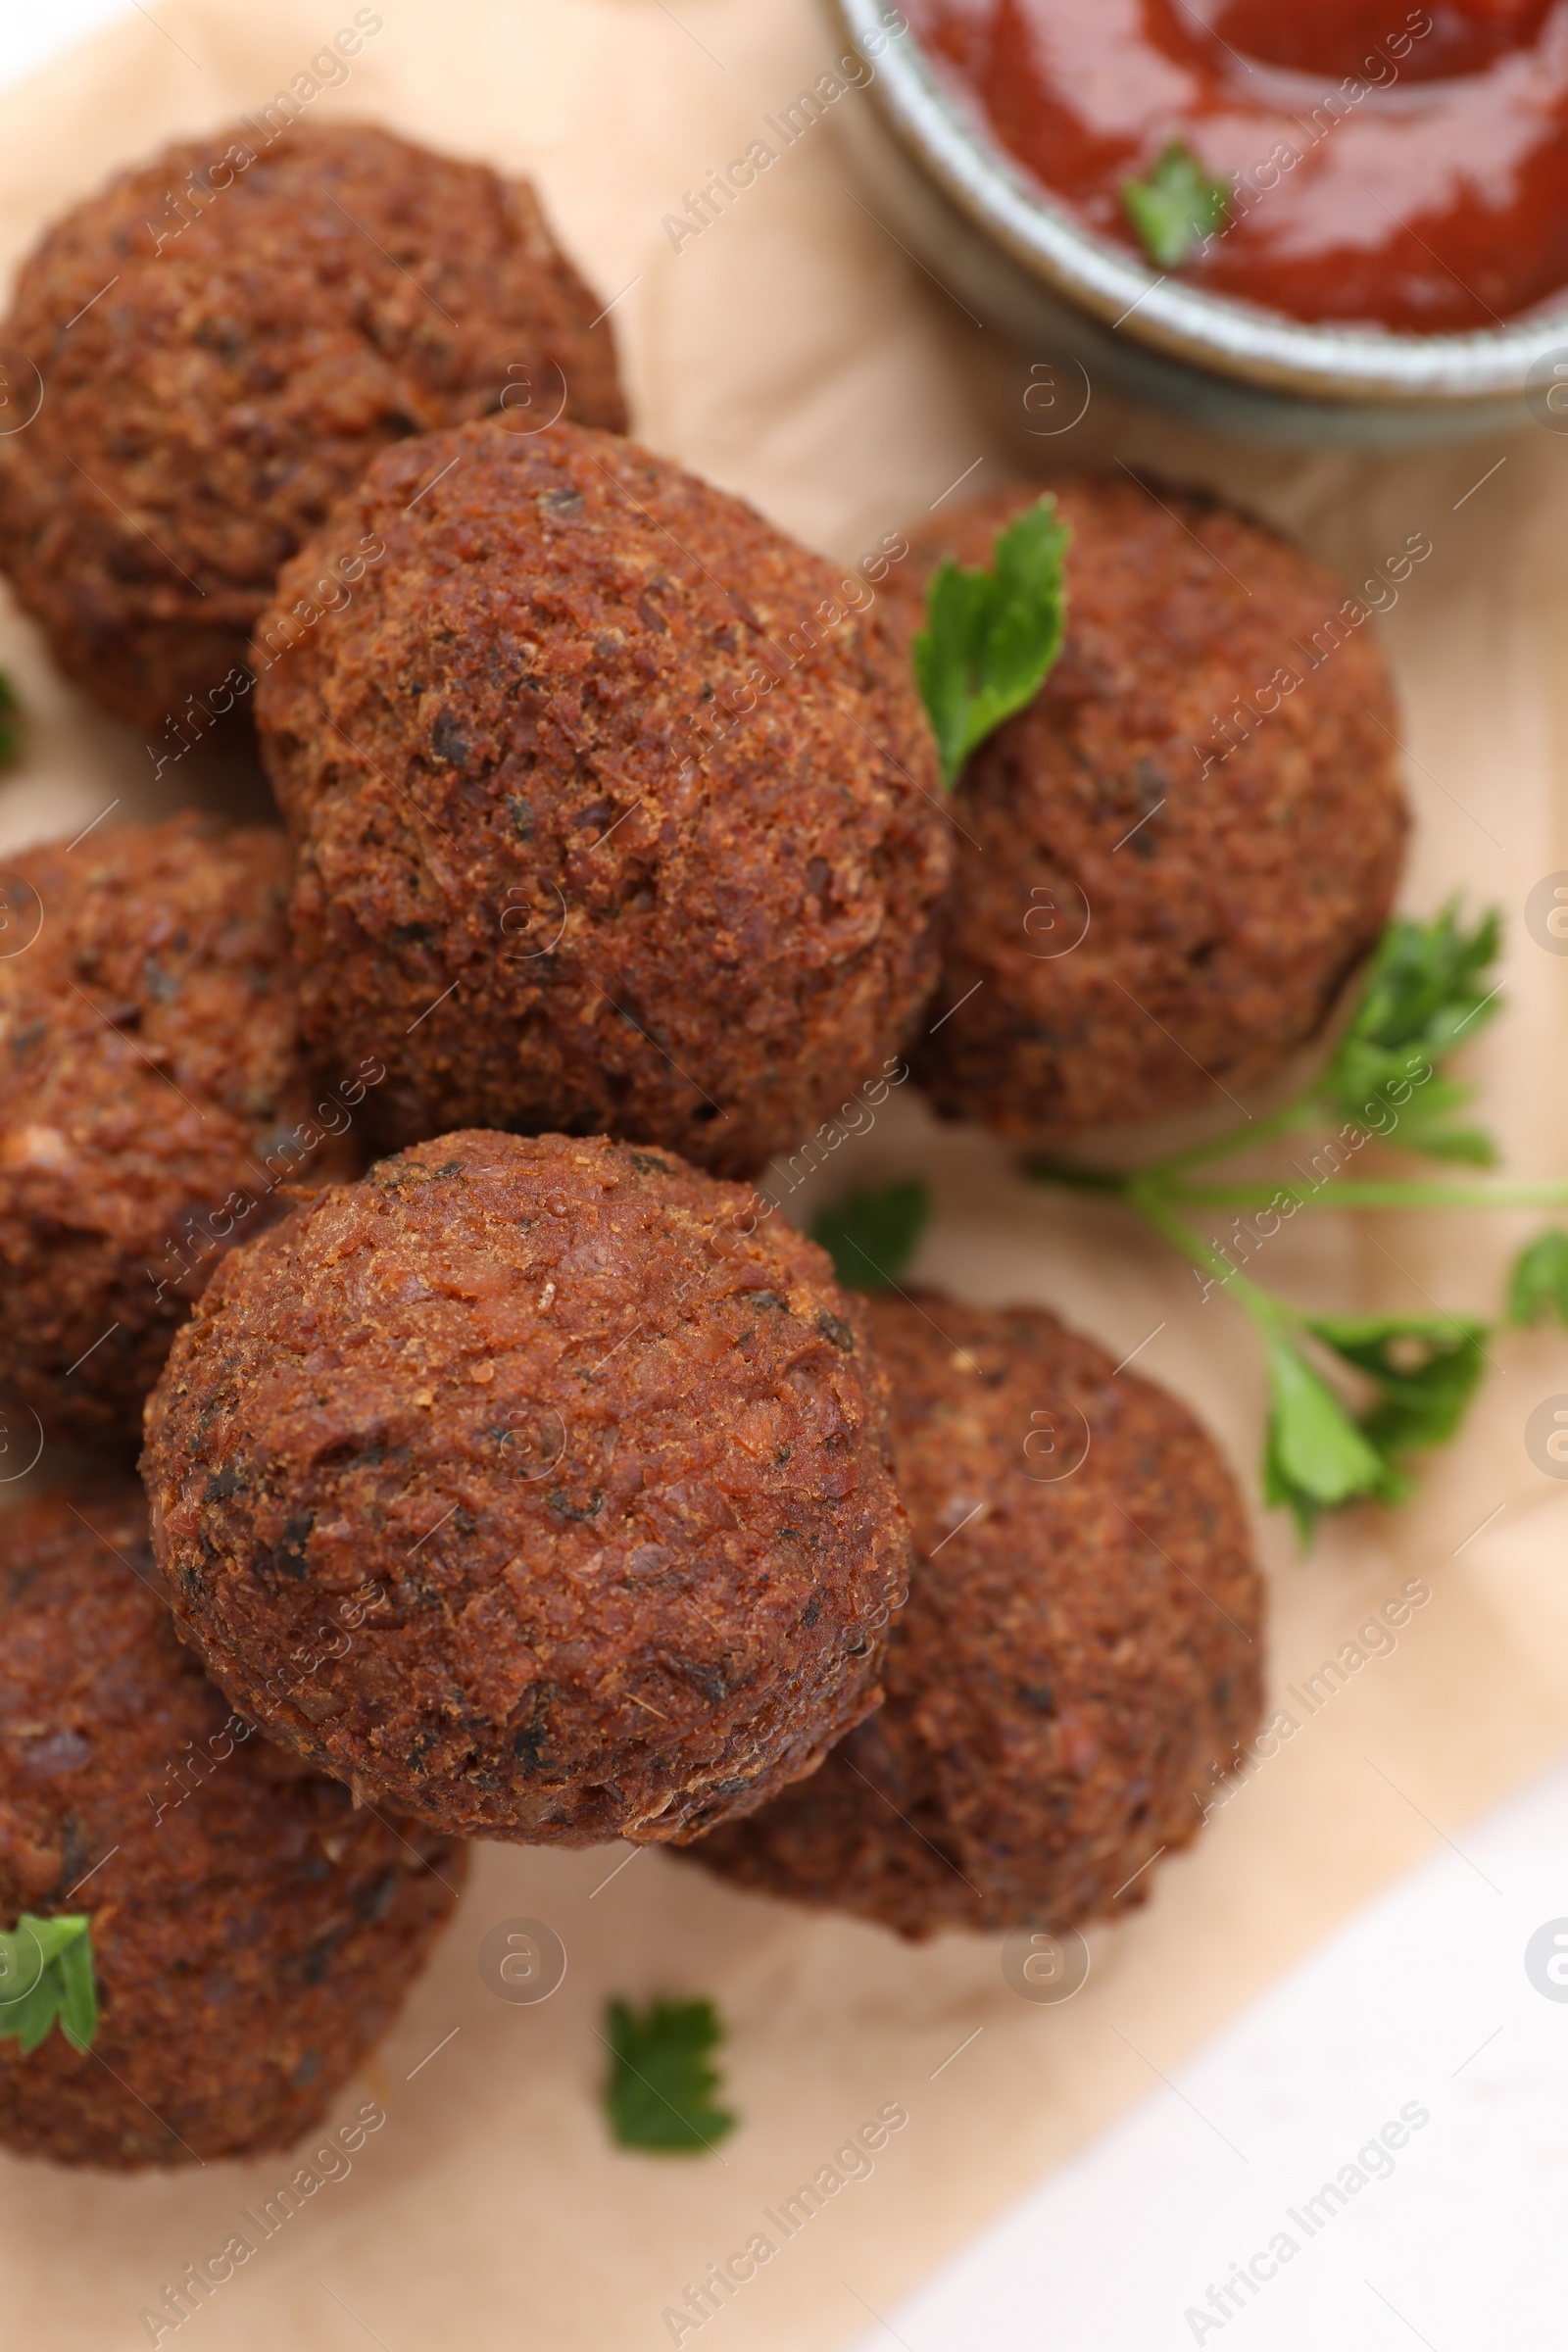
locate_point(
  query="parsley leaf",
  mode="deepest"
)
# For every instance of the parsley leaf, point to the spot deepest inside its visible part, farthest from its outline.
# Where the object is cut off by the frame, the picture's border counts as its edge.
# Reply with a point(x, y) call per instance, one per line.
point(1176, 206)
point(1423, 1370)
point(871, 1237)
point(1429, 991)
point(46, 1973)
point(992, 636)
point(1540, 1284)
point(9, 720)
point(1314, 1456)
point(658, 2091)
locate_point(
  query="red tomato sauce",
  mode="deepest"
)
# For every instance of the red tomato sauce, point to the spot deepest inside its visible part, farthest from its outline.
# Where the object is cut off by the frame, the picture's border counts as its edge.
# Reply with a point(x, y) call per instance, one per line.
point(1405, 166)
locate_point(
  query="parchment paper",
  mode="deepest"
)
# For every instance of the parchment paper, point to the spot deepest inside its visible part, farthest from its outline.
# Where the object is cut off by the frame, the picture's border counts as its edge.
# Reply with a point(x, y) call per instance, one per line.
point(794, 353)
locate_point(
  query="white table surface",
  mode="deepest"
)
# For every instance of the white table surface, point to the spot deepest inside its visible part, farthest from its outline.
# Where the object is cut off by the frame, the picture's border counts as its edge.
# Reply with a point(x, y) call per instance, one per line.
point(31, 34)
point(1422, 2005)
point(1422, 2001)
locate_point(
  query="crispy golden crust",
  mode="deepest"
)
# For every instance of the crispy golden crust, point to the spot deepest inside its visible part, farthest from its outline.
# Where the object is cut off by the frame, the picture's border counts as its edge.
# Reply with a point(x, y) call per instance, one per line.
point(210, 390)
point(589, 837)
point(1224, 908)
point(253, 1935)
point(1075, 1659)
point(153, 1099)
point(615, 1454)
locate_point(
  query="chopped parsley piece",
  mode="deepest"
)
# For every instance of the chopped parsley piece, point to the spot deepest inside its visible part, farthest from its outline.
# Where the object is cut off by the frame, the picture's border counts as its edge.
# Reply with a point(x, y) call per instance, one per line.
point(658, 2091)
point(990, 637)
point(871, 1237)
point(46, 1974)
point(1176, 206)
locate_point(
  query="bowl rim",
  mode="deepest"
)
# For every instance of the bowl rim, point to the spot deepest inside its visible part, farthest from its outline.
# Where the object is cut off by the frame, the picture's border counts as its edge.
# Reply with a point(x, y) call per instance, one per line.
point(1214, 332)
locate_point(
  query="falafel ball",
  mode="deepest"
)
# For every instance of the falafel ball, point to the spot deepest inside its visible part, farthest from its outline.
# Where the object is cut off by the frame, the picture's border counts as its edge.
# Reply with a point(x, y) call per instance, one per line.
point(1172, 859)
point(224, 336)
point(616, 1450)
point(154, 1100)
point(614, 810)
point(1079, 1656)
point(253, 1933)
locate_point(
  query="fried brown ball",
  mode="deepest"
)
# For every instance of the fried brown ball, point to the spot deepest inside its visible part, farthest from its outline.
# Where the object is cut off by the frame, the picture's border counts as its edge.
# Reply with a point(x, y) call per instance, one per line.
point(253, 1933)
point(614, 810)
point(1172, 859)
point(615, 1450)
point(223, 336)
point(154, 1101)
point(1079, 1657)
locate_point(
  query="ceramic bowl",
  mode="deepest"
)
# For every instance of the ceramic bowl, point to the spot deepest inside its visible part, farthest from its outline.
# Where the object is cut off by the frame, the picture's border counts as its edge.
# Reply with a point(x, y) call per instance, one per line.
point(1015, 257)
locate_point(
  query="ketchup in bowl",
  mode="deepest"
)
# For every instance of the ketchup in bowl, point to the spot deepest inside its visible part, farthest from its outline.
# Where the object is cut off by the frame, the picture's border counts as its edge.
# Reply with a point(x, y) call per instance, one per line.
point(1364, 161)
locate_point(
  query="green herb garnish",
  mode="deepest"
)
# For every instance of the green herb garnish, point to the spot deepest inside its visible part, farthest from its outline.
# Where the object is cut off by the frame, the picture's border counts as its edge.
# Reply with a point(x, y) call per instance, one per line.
point(1352, 1399)
point(9, 720)
point(1423, 1371)
point(1176, 206)
point(990, 637)
point(658, 2091)
point(1540, 1284)
point(1427, 991)
point(871, 1237)
point(46, 1973)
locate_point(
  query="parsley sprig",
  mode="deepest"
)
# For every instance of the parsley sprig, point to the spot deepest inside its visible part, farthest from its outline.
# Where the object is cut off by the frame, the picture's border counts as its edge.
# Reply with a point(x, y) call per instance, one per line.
point(992, 635)
point(1352, 1399)
point(658, 2092)
point(46, 1974)
point(1176, 206)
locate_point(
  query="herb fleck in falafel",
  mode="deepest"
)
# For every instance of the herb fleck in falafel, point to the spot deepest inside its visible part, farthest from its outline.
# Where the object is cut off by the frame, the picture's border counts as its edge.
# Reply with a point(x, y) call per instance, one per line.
point(226, 334)
point(1080, 1651)
point(253, 1934)
point(615, 1451)
point(1174, 857)
point(614, 810)
point(154, 1100)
